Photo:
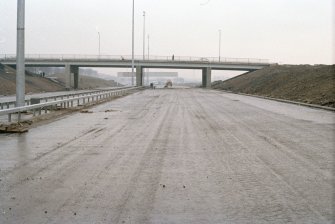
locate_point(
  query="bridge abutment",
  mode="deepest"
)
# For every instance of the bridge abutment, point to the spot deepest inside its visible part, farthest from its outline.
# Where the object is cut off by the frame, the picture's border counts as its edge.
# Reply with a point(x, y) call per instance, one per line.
point(206, 77)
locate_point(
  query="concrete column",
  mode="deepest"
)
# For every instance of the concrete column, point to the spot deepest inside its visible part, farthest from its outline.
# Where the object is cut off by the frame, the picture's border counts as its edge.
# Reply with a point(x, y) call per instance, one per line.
point(75, 72)
point(209, 78)
point(68, 76)
point(20, 66)
point(139, 76)
point(203, 78)
point(206, 77)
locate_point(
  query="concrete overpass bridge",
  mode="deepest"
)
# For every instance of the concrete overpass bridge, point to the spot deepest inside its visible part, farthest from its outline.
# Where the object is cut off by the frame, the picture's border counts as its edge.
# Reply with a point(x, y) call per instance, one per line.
point(72, 63)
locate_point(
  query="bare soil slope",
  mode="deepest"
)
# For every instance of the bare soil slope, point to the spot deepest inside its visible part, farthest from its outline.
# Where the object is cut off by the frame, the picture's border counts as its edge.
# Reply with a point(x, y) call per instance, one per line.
point(33, 84)
point(87, 82)
point(303, 83)
point(36, 84)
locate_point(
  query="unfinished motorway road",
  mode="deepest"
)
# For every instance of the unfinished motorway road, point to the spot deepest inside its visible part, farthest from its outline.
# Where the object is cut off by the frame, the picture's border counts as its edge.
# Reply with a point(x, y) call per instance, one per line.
point(173, 156)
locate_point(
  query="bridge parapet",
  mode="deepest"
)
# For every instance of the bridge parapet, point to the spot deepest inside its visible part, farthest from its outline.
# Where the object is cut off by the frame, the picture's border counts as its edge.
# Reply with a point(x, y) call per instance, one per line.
point(102, 58)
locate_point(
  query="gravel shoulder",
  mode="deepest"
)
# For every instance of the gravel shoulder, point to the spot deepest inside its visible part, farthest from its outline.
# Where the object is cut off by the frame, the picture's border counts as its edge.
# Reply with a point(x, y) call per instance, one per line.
point(173, 156)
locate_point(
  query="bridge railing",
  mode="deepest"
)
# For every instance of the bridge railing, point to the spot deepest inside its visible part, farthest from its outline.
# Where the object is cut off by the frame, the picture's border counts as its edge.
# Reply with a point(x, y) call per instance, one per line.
point(78, 57)
point(65, 103)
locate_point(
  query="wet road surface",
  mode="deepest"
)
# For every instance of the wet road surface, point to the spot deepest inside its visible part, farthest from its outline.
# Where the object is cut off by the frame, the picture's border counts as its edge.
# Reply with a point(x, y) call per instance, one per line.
point(173, 156)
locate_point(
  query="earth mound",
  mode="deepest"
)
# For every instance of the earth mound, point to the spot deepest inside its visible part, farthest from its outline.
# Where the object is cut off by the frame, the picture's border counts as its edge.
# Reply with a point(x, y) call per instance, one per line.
point(312, 84)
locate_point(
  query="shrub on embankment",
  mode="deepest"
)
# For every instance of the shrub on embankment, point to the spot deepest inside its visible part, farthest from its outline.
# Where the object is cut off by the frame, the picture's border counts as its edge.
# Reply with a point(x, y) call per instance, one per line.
point(302, 83)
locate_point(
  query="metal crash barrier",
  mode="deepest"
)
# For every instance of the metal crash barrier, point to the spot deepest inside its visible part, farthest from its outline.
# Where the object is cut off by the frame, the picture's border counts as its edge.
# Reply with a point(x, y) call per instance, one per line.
point(64, 103)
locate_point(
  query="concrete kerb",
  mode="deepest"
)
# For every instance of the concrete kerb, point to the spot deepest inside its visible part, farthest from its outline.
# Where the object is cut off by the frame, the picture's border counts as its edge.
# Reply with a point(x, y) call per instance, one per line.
point(282, 100)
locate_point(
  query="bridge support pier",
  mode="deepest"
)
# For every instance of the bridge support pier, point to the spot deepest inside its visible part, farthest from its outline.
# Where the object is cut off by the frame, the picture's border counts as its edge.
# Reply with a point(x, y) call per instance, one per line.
point(75, 72)
point(206, 77)
point(71, 71)
point(68, 76)
point(139, 76)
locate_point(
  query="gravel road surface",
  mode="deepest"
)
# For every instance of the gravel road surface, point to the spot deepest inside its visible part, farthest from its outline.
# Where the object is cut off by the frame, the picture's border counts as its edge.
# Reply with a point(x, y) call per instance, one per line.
point(173, 156)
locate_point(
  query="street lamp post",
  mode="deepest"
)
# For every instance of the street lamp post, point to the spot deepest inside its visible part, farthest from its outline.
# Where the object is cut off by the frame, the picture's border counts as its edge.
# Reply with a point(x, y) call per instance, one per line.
point(143, 35)
point(20, 67)
point(144, 40)
point(99, 43)
point(148, 59)
point(148, 46)
point(132, 47)
point(219, 45)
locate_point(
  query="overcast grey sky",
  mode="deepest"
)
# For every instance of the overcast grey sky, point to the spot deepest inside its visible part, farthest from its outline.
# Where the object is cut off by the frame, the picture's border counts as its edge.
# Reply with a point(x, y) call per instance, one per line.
point(284, 31)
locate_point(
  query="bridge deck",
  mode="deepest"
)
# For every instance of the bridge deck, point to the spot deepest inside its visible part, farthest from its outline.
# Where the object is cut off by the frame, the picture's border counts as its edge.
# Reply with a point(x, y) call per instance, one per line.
point(153, 62)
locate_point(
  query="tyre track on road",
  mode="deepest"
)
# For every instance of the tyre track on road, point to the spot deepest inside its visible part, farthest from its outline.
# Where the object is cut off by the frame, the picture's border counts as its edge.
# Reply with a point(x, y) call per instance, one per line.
point(251, 138)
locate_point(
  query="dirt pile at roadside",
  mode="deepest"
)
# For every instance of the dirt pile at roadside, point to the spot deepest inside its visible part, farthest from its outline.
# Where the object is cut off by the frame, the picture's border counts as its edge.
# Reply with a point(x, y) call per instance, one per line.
point(19, 127)
point(302, 83)
point(33, 84)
